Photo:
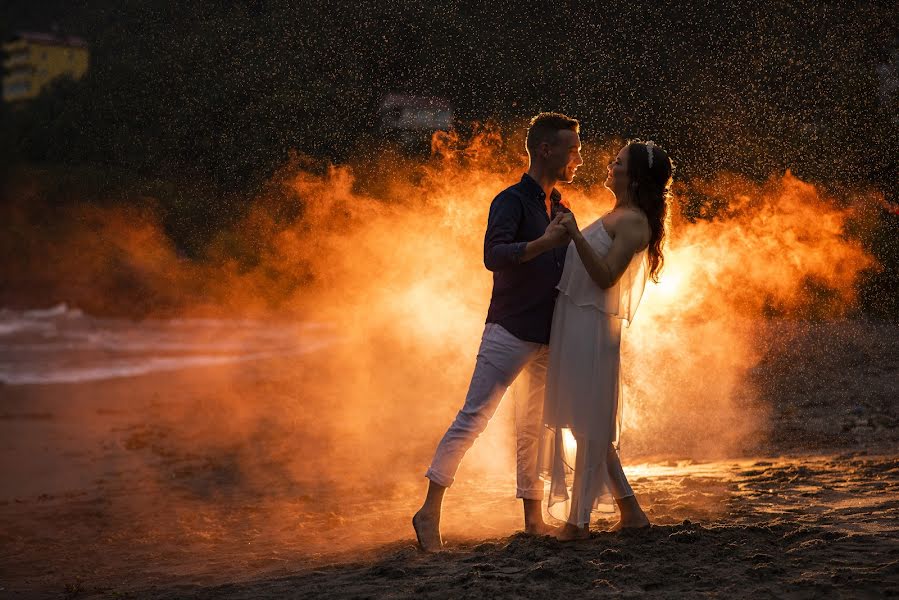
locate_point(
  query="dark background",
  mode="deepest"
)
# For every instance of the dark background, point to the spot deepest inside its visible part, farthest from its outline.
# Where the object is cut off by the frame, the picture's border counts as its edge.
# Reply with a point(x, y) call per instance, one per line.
point(197, 104)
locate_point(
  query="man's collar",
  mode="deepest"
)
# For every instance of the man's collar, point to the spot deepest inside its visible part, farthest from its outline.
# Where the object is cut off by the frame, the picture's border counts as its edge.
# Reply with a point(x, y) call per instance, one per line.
point(534, 187)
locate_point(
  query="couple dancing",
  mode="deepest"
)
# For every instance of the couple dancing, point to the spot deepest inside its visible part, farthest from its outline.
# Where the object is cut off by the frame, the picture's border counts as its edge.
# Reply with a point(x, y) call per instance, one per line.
point(569, 347)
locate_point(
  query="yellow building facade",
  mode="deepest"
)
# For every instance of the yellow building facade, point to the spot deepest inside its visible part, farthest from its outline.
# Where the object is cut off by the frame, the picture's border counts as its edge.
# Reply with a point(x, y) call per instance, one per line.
point(35, 59)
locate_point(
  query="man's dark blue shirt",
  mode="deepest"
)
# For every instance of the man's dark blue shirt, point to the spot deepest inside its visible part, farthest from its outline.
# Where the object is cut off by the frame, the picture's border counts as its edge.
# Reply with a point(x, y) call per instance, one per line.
point(524, 293)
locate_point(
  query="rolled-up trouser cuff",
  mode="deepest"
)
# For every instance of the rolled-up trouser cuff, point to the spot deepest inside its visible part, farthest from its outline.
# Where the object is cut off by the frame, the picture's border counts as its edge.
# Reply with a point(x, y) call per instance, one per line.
point(441, 480)
point(536, 494)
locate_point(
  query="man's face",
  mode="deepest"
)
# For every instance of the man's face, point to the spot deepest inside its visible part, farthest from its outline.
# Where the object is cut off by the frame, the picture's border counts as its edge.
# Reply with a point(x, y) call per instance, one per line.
point(564, 155)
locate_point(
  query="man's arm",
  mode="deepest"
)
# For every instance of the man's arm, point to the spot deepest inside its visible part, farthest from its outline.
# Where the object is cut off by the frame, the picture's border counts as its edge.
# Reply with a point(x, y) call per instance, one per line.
point(555, 235)
point(500, 249)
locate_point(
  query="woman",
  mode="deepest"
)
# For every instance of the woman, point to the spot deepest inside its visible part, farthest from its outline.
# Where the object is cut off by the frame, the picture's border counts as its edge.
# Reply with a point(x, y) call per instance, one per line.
point(601, 286)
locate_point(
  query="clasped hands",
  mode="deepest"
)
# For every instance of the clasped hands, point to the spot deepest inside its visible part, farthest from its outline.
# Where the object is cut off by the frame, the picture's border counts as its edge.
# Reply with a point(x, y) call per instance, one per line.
point(561, 229)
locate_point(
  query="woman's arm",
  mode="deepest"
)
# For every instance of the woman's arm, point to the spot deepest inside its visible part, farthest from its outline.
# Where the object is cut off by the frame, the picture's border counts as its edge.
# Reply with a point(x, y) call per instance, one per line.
point(607, 270)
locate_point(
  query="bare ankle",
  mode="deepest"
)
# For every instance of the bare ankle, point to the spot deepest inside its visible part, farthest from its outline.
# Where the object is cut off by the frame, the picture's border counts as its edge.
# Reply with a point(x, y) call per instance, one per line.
point(533, 512)
point(431, 513)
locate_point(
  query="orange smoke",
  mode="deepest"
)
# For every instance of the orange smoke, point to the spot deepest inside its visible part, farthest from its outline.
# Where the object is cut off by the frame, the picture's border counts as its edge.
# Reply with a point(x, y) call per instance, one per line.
point(395, 261)
point(326, 451)
point(778, 250)
point(390, 253)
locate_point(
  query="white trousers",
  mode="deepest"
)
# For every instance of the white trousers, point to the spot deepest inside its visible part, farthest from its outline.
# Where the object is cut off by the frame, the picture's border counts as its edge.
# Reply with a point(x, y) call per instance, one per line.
point(501, 357)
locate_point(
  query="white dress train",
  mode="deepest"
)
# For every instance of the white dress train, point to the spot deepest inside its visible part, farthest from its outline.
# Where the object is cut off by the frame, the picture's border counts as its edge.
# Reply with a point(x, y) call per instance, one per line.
point(582, 406)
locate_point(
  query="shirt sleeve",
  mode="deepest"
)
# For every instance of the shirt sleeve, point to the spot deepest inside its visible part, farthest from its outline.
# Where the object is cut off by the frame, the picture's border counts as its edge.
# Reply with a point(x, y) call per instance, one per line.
point(500, 249)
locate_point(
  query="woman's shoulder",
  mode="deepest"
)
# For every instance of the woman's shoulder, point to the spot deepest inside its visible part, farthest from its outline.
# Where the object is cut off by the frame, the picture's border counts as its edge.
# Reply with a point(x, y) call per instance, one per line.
point(625, 218)
point(632, 216)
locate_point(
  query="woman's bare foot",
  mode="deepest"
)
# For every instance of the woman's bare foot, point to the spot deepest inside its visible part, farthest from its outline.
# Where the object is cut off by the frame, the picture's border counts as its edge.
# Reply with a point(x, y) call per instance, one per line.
point(571, 533)
point(632, 516)
point(637, 521)
point(427, 530)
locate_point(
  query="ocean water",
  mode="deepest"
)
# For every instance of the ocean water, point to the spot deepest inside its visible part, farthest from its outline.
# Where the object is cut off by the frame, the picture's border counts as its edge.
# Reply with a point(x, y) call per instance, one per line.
point(64, 345)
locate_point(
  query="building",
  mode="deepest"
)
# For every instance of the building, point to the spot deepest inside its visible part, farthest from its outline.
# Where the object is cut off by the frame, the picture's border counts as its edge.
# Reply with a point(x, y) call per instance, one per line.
point(411, 120)
point(35, 59)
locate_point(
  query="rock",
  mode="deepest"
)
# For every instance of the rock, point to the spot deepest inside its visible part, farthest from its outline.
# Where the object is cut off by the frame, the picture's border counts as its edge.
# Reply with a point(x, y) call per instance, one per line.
point(687, 536)
point(612, 555)
point(485, 547)
point(548, 569)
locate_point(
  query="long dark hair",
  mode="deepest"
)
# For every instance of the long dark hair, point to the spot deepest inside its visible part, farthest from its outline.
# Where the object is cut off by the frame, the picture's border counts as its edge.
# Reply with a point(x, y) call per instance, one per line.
point(650, 189)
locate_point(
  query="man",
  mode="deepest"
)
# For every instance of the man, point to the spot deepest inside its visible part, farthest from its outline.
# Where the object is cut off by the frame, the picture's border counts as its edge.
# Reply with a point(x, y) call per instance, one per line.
point(525, 248)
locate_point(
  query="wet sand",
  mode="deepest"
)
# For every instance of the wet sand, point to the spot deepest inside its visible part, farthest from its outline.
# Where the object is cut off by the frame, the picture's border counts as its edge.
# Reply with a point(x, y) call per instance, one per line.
point(152, 487)
point(788, 528)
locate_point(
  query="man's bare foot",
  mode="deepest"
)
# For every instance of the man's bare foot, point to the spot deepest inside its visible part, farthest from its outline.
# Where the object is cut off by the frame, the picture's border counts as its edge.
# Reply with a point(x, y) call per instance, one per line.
point(541, 528)
point(533, 518)
point(427, 530)
point(571, 533)
point(631, 522)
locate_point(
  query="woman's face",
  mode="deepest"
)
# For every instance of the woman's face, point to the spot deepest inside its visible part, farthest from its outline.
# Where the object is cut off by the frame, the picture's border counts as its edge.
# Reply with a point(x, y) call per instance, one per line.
point(618, 179)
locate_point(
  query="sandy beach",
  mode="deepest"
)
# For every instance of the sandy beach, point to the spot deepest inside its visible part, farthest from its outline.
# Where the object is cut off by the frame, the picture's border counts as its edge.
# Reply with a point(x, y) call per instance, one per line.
point(249, 252)
point(221, 482)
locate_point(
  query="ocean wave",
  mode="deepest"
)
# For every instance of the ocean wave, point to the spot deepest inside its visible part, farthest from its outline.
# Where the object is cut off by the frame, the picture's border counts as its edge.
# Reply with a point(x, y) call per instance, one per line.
point(63, 345)
point(37, 320)
point(118, 368)
point(14, 327)
point(60, 310)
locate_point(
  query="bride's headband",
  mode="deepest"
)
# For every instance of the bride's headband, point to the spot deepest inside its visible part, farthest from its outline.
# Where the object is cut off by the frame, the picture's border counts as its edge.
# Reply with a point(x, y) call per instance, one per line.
point(649, 146)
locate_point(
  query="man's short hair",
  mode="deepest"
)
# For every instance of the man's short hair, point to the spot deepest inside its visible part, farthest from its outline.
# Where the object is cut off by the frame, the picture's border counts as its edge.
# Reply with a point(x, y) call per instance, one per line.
point(545, 127)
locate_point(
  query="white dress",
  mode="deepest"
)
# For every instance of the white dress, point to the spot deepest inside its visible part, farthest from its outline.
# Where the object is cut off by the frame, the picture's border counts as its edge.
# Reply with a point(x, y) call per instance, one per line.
point(582, 384)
